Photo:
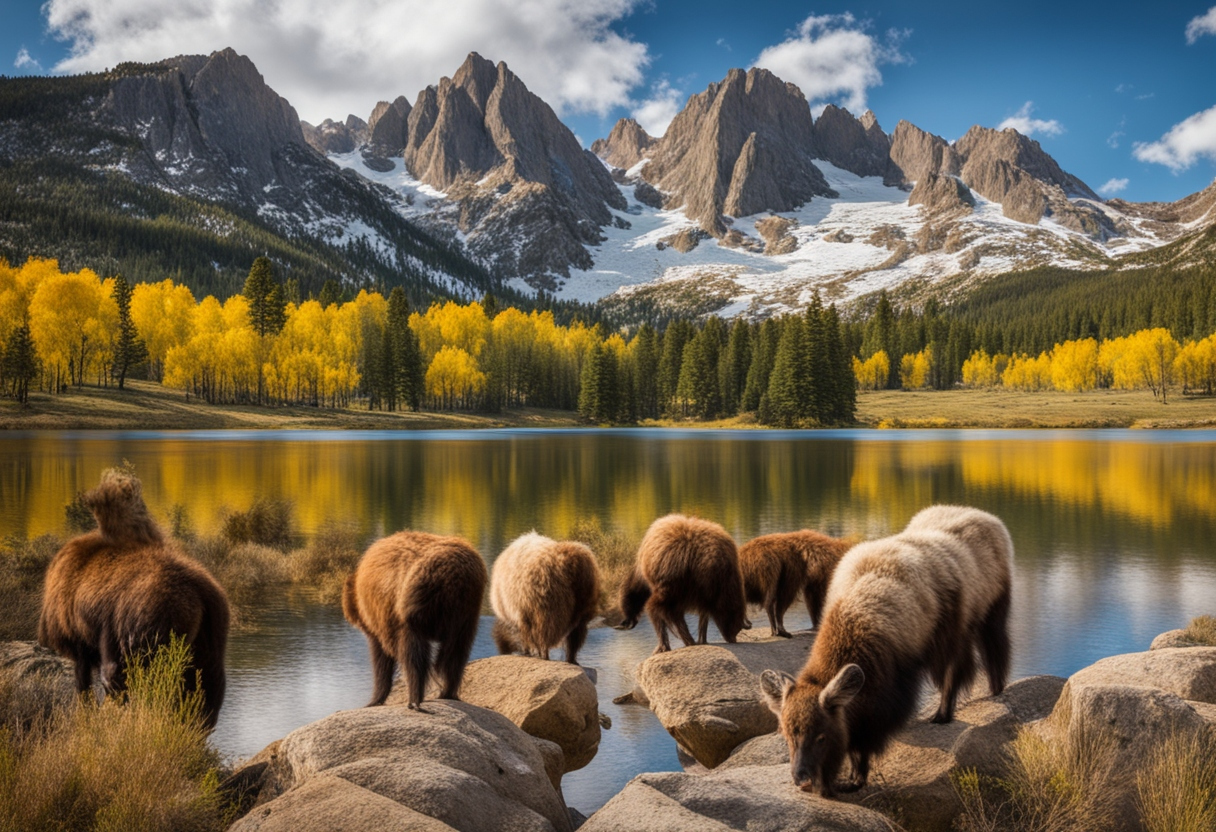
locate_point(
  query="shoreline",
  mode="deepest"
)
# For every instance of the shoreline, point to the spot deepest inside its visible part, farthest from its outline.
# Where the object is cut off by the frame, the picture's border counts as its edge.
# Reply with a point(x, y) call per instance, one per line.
point(147, 405)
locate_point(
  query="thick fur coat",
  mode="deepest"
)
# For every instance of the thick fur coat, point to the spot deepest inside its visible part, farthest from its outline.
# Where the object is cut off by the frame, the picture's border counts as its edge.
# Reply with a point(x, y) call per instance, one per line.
point(543, 592)
point(685, 564)
point(777, 567)
point(119, 591)
point(922, 602)
point(411, 589)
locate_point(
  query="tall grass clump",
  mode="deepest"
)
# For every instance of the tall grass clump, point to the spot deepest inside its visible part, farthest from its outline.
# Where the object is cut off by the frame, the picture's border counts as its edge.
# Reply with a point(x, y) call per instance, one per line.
point(1176, 787)
point(139, 766)
point(1050, 786)
point(23, 566)
point(329, 556)
point(1201, 631)
point(615, 553)
point(266, 523)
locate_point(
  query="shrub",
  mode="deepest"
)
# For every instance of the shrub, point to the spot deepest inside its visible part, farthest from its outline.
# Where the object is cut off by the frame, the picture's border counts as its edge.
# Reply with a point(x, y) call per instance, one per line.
point(179, 523)
point(1202, 630)
point(331, 555)
point(142, 766)
point(23, 565)
point(266, 522)
point(615, 553)
point(79, 517)
point(1176, 788)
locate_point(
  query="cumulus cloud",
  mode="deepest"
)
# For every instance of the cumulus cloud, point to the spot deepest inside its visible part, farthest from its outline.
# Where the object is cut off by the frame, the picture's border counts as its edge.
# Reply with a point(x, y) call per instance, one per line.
point(26, 61)
point(657, 111)
point(331, 57)
point(833, 58)
point(1185, 143)
point(1113, 186)
point(1024, 123)
point(1204, 24)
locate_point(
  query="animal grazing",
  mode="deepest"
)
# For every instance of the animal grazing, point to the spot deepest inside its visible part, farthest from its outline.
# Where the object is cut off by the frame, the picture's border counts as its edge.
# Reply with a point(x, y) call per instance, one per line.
point(920, 602)
point(411, 589)
point(685, 564)
point(543, 592)
point(776, 567)
point(119, 591)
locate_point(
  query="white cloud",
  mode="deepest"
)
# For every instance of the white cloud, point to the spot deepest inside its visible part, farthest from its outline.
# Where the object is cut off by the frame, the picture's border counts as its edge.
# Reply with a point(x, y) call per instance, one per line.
point(1184, 144)
point(657, 111)
point(1028, 126)
point(1113, 186)
point(1204, 24)
point(833, 58)
point(26, 61)
point(331, 57)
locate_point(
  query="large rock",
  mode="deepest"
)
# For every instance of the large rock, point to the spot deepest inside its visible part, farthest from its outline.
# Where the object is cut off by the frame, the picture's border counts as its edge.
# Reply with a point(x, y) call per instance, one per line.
point(458, 765)
point(551, 700)
point(708, 696)
point(625, 146)
point(33, 682)
point(756, 799)
point(1189, 673)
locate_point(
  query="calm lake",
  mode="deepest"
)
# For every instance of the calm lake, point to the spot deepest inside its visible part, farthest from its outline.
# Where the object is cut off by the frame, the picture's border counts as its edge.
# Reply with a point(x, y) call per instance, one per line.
point(1115, 531)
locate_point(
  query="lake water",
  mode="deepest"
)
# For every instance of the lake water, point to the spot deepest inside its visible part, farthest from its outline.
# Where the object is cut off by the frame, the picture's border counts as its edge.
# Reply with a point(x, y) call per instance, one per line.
point(1115, 532)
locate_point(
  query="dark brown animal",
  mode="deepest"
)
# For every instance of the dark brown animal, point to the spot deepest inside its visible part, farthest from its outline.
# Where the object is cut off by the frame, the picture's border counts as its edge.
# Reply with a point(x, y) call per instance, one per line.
point(776, 567)
point(411, 589)
point(543, 592)
point(116, 593)
point(685, 564)
point(919, 603)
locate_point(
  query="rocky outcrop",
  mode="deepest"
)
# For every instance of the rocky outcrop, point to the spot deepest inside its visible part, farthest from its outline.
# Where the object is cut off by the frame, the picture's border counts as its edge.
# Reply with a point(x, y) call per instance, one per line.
point(983, 146)
point(916, 153)
point(551, 700)
point(942, 194)
point(625, 146)
point(335, 136)
point(456, 766)
point(387, 125)
point(775, 231)
point(758, 799)
point(742, 146)
point(34, 682)
point(856, 145)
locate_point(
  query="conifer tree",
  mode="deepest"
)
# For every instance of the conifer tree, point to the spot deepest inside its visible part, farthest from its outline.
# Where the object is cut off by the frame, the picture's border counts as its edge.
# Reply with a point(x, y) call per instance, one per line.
point(646, 372)
point(677, 336)
point(19, 363)
point(735, 364)
point(698, 388)
point(407, 373)
point(267, 307)
point(790, 397)
point(843, 384)
point(598, 392)
point(130, 349)
point(331, 293)
point(881, 335)
point(763, 355)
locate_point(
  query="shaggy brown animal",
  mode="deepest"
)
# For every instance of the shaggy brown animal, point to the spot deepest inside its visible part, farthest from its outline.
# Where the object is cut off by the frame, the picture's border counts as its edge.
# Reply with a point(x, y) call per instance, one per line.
point(685, 564)
point(543, 592)
point(410, 589)
point(920, 602)
point(776, 567)
point(117, 592)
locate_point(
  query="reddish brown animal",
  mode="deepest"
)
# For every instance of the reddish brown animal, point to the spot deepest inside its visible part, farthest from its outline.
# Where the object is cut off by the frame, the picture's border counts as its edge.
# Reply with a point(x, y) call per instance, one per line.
point(776, 567)
point(685, 564)
point(411, 589)
point(543, 592)
point(116, 593)
point(922, 602)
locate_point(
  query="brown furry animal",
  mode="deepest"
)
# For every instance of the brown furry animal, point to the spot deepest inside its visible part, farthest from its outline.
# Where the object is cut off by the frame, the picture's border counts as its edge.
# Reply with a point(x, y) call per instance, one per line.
point(543, 592)
point(410, 589)
point(685, 563)
point(120, 590)
point(776, 567)
point(920, 602)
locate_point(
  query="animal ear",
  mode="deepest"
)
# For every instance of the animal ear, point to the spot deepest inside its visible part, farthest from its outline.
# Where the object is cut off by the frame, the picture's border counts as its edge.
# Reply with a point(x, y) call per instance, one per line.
point(774, 685)
point(844, 686)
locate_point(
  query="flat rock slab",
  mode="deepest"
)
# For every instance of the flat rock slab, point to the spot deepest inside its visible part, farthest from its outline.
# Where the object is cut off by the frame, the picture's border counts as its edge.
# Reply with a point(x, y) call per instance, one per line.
point(755, 799)
point(708, 696)
point(1186, 672)
point(461, 766)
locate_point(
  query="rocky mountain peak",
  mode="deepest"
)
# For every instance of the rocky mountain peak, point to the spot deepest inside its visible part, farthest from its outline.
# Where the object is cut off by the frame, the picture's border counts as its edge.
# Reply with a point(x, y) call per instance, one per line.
point(856, 145)
point(743, 145)
point(625, 146)
point(386, 126)
point(478, 77)
point(984, 147)
point(335, 136)
point(916, 153)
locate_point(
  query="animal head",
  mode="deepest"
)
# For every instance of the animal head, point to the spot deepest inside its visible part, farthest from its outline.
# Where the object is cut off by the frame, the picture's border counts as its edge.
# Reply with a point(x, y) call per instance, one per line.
point(635, 592)
point(812, 720)
point(118, 504)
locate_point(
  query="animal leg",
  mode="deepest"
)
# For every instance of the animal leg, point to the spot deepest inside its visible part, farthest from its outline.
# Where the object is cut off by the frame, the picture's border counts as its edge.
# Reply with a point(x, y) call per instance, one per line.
point(957, 678)
point(415, 660)
point(574, 641)
point(452, 657)
point(994, 644)
point(682, 630)
point(383, 665)
point(84, 670)
point(504, 637)
point(703, 629)
point(658, 617)
point(861, 773)
point(113, 677)
point(814, 605)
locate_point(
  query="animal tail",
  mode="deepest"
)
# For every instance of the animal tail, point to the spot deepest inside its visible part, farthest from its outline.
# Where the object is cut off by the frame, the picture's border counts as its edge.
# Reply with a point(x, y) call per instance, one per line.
point(350, 606)
point(210, 647)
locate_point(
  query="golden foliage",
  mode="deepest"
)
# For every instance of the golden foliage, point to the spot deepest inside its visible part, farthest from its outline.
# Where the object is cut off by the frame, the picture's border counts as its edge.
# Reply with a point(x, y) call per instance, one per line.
point(872, 373)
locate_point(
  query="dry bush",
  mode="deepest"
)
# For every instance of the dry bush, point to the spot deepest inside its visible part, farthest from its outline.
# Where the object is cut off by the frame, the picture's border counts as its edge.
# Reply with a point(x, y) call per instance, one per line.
point(615, 553)
point(323, 564)
point(266, 522)
point(1050, 786)
point(1176, 788)
point(139, 766)
point(1202, 630)
point(23, 565)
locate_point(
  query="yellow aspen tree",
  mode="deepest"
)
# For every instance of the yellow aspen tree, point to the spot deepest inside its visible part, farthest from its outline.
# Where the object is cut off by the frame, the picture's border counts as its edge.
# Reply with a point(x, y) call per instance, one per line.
point(1195, 366)
point(162, 314)
point(63, 325)
point(872, 373)
point(979, 370)
point(453, 378)
point(1074, 365)
point(914, 370)
point(1152, 353)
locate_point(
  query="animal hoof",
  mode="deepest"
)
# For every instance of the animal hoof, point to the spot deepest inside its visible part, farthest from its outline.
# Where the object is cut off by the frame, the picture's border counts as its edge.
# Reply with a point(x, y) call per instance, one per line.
point(941, 719)
point(848, 787)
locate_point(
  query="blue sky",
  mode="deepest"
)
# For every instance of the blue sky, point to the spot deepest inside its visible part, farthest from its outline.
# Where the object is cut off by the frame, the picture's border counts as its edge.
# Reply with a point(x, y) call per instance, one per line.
point(1101, 86)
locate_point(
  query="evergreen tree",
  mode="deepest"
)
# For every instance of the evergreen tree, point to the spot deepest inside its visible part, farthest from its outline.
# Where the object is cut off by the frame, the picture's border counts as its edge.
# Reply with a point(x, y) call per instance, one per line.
point(818, 369)
point(790, 397)
point(698, 388)
point(598, 392)
point(19, 363)
point(331, 293)
point(646, 357)
point(267, 308)
point(407, 371)
point(842, 381)
point(735, 364)
point(763, 356)
point(881, 334)
point(677, 336)
point(130, 349)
